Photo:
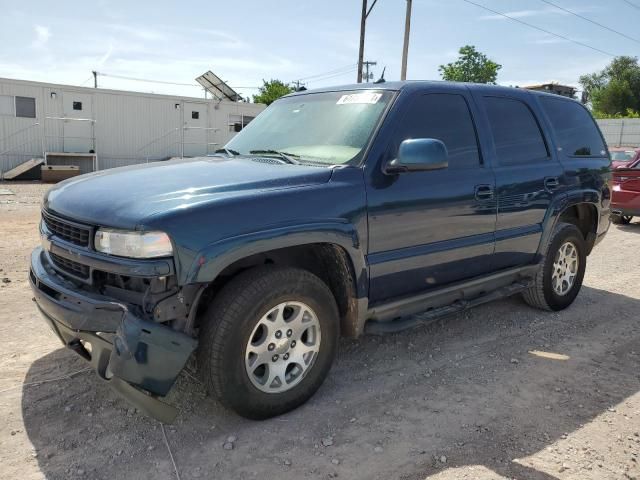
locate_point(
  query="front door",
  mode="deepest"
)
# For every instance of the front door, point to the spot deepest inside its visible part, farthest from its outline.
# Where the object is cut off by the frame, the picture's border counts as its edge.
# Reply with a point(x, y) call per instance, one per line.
point(528, 175)
point(196, 133)
point(428, 229)
point(78, 123)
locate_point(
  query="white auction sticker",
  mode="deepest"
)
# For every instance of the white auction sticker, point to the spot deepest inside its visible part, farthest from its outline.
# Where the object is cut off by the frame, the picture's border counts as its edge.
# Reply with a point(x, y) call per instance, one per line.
point(364, 97)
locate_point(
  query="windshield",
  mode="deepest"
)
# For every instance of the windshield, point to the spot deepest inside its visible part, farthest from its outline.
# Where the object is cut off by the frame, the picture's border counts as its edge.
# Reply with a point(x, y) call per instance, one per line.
point(622, 156)
point(326, 128)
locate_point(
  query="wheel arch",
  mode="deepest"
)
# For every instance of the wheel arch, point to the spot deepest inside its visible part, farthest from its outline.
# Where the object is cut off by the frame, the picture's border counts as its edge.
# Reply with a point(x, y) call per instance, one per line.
point(580, 209)
point(334, 255)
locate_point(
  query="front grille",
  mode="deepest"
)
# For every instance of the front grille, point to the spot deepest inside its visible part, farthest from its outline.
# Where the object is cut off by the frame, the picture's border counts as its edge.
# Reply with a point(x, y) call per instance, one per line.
point(68, 231)
point(74, 268)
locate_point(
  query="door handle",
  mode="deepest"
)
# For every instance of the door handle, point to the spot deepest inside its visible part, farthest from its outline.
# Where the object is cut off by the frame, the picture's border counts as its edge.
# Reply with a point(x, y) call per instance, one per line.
point(551, 183)
point(484, 192)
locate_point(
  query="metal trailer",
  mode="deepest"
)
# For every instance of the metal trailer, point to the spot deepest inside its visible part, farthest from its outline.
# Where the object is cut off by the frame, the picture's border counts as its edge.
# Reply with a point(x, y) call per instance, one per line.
point(97, 129)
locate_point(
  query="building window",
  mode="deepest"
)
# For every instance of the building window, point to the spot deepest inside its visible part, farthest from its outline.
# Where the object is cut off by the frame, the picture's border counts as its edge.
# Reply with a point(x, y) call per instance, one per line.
point(26, 107)
point(7, 105)
point(195, 115)
point(77, 105)
point(238, 122)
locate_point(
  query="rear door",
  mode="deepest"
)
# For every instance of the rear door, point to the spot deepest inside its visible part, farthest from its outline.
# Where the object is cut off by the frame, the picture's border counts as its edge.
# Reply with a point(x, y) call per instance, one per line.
point(431, 228)
point(528, 174)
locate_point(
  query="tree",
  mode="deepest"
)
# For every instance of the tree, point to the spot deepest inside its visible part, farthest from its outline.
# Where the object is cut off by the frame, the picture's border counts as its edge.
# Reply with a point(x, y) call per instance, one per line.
point(271, 91)
point(615, 90)
point(471, 66)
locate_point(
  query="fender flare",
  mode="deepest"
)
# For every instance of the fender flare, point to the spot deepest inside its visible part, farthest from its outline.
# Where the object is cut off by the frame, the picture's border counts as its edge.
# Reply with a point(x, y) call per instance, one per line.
point(214, 258)
point(562, 203)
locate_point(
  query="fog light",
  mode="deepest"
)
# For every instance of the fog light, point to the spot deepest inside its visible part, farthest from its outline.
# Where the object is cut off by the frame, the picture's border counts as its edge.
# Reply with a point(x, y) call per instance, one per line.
point(86, 345)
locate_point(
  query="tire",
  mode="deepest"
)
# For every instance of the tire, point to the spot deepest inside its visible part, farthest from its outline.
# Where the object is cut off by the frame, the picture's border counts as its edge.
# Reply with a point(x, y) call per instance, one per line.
point(543, 293)
point(241, 313)
point(621, 219)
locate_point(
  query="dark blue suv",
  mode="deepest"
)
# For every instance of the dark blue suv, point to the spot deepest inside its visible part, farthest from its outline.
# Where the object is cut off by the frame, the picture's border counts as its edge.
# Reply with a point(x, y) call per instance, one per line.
point(335, 212)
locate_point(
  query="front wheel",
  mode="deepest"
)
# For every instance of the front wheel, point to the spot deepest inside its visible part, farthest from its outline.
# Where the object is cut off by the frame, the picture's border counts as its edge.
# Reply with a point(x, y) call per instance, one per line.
point(560, 276)
point(268, 341)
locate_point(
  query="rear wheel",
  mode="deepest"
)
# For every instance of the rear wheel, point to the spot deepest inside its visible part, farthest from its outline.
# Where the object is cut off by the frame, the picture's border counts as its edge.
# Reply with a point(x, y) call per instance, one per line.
point(268, 341)
point(560, 276)
point(621, 219)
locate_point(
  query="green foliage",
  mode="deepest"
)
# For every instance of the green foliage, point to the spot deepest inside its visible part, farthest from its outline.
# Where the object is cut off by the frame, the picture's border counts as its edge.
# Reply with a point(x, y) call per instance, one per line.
point(628, 114)
point(471, 66)
point(615, 91)
point(272, 90)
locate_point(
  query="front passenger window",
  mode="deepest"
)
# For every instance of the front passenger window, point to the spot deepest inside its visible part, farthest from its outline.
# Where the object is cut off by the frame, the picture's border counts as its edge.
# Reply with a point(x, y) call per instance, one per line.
point(445, 117)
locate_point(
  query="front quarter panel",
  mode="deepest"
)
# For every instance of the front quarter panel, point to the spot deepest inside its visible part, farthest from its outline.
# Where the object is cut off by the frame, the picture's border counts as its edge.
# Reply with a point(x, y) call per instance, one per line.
point(209, 237)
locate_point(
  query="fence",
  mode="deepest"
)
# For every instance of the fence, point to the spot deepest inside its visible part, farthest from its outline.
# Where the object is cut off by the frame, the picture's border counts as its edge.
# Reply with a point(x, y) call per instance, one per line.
point(621, 131)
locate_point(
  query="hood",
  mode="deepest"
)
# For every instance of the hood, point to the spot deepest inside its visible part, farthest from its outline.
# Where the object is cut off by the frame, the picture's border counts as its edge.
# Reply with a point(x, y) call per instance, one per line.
point(124, 197)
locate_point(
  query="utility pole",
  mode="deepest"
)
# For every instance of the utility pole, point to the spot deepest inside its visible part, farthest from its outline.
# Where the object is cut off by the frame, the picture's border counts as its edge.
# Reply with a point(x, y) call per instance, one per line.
point(405, 48)
point(368, 76)
point(298, 84)
point(95, 79)
point(363, 24)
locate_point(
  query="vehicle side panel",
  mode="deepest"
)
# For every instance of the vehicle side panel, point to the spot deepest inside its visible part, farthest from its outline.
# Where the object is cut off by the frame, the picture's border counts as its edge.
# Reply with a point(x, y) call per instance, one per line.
point(426, 229)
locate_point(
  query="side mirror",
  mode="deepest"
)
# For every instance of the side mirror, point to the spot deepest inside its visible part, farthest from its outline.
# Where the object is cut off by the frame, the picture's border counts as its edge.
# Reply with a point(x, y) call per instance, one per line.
point(418, 154)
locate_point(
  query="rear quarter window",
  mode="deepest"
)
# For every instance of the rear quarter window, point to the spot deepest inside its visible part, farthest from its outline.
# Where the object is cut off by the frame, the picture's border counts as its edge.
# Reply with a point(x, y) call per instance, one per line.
point(574, 128)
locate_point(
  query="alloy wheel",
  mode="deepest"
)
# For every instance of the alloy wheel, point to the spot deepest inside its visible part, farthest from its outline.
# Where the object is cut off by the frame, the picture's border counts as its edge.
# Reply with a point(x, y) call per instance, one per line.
point(282, 347)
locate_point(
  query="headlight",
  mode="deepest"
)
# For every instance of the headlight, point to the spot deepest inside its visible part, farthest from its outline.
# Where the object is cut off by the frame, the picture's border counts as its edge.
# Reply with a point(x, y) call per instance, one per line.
point(133, 244)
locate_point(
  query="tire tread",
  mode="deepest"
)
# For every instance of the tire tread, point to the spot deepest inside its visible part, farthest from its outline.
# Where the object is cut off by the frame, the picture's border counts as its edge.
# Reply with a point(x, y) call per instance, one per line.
point(225, 309)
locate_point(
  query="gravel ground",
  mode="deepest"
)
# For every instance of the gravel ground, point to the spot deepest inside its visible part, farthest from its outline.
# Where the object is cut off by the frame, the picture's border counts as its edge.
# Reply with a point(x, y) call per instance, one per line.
point(501, 391)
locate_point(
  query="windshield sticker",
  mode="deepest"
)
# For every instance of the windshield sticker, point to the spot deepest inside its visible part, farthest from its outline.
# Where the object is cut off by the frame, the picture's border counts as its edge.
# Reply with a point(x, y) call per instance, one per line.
point(365, 97)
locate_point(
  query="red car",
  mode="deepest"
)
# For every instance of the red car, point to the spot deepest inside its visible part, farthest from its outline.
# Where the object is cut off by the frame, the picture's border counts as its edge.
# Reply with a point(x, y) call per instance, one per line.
point(625, 201)
point(623, 156)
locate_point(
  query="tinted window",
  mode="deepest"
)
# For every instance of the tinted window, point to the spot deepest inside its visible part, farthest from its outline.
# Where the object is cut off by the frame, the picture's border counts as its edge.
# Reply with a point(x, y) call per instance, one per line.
point(575, 130)
point(515, 131)
point(26, 107)
point(445, 117)
point(77, 105)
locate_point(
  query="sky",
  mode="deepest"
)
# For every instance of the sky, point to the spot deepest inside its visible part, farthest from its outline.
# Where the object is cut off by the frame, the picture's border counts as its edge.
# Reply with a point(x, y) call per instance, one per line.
point(246, 41)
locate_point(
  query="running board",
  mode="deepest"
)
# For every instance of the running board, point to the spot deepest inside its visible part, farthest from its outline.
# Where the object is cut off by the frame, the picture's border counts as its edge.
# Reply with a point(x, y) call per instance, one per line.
point(401, 314)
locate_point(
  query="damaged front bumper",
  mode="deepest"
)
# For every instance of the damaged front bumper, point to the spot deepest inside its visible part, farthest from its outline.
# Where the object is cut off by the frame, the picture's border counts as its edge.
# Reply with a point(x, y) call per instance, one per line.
point(140, 359)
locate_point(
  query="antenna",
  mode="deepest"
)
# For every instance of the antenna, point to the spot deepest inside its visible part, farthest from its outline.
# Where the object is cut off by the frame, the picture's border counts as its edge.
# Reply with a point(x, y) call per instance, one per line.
point(381, 79)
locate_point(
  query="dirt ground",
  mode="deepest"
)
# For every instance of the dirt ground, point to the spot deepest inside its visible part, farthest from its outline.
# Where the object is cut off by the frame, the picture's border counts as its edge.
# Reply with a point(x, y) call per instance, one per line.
point(473, 396)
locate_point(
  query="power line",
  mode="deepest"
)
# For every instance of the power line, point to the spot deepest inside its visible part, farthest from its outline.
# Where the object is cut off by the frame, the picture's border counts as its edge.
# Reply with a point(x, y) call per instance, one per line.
point(339, 74)
point(147, 80)
point(632, 4)
point(539, 29)
point(590, 21)
point(351, 66)
point(82, 84)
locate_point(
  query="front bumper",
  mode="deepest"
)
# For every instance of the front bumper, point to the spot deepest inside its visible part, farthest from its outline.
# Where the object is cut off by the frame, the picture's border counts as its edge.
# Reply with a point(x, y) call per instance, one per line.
point(140, 359)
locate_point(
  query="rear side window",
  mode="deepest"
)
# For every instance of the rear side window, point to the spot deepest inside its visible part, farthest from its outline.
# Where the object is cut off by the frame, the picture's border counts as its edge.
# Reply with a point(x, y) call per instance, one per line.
point(445, 117)
point(575, 130)
point(516, 132)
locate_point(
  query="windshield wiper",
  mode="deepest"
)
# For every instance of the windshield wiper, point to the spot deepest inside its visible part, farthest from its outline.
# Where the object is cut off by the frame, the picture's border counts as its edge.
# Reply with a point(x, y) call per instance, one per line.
point(230, 153)
point(287, 157)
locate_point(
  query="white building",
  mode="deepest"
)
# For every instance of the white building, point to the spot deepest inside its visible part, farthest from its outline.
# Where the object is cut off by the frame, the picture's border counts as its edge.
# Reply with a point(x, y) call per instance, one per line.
point(97, 129)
